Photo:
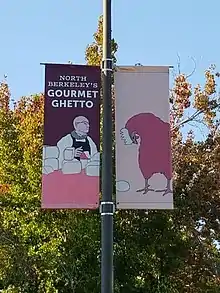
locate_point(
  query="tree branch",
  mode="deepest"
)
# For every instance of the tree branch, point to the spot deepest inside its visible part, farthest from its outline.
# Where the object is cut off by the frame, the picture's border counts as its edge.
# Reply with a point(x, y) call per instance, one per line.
point(194, 69)
point(178, 63)
point(192, 117)
point(184, 121)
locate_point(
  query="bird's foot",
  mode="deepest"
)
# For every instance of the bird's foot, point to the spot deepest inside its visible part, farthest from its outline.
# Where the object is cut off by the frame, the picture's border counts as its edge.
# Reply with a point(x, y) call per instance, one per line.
point(145, 190)
point(166, 191)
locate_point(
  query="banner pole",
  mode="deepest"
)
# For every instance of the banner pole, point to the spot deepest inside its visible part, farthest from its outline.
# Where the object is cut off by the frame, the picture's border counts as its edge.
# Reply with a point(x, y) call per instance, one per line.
point(107, 205)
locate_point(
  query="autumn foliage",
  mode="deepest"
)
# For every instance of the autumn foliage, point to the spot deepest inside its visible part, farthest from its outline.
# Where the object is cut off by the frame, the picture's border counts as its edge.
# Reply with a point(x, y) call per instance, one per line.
point(155, 251)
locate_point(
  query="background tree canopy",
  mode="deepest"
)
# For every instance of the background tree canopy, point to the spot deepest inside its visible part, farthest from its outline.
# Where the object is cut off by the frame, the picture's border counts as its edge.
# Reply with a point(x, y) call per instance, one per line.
point(155, 251)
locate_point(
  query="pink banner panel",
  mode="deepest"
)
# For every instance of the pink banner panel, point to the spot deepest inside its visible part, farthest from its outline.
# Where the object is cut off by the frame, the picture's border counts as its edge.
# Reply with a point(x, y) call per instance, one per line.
point(143, 144)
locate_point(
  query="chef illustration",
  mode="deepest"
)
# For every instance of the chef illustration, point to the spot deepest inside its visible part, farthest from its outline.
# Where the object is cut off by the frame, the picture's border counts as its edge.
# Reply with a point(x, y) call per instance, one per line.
point(77, 148)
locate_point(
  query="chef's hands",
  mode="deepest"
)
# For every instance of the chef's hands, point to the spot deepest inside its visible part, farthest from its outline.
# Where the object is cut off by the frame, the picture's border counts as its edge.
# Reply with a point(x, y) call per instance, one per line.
point(78, 152)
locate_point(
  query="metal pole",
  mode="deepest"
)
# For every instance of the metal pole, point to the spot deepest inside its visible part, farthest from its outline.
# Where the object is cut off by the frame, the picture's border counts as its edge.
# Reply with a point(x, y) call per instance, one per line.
point(107, 206)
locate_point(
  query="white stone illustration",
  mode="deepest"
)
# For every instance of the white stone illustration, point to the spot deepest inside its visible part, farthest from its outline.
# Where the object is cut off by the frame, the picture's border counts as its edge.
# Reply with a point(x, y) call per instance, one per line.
point(122, 186)
point(71, 167)
point(50, 159)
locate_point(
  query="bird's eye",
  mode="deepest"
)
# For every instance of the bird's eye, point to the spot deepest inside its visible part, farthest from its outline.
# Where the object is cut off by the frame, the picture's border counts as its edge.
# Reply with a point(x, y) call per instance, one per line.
point(134, 137)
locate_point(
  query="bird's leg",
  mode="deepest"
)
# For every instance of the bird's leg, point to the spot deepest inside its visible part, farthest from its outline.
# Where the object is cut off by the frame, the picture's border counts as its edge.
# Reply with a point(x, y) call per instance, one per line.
point(146, 188)
point(168, 188)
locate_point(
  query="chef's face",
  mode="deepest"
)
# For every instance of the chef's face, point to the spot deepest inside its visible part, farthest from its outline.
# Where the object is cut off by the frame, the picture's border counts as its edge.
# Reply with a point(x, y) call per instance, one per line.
point(83, 126)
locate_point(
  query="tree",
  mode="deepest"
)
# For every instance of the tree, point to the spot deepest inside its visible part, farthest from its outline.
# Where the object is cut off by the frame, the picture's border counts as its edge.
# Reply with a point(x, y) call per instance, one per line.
point(41, 251)
point(93, 53)
point(168, 251)
point(155, 251)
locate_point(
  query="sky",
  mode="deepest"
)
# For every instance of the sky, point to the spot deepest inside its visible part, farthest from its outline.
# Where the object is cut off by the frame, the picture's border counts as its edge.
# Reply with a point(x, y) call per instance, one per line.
point(149, 32)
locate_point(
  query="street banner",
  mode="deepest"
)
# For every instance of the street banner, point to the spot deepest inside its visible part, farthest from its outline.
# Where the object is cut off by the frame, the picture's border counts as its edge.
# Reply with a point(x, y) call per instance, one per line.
point(143, 146)
point(71, 151)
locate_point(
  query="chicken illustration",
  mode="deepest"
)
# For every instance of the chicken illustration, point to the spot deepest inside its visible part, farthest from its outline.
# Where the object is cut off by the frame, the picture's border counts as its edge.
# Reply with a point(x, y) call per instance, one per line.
point(153, 137)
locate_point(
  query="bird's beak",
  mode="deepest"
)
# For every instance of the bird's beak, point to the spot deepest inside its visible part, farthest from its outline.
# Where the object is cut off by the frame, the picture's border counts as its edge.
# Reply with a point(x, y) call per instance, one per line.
point(124, 134)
